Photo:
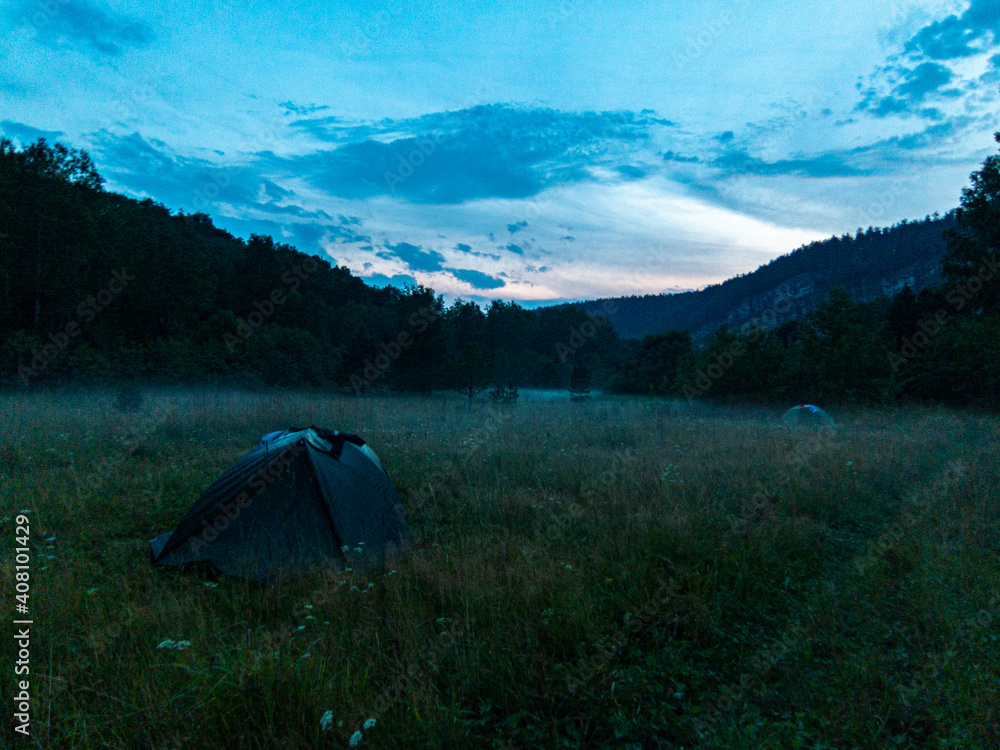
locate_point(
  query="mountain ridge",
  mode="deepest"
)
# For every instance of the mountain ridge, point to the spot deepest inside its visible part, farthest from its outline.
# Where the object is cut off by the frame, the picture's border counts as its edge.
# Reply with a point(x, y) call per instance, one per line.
point(877, 262)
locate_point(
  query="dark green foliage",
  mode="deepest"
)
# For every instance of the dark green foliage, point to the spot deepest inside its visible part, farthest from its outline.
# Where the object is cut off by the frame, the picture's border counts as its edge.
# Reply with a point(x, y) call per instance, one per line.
point(579, 379)
point(903, 314)
point(655, 365)
point(471, 373)
point(976, 239)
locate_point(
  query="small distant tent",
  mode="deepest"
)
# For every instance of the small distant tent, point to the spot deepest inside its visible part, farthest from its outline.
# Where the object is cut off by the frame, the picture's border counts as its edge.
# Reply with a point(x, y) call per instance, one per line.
point(807, 415)
point(296, 500)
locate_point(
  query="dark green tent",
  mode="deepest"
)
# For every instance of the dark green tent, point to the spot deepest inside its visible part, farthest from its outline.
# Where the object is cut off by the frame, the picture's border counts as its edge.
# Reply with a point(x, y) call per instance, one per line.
point(301, 497)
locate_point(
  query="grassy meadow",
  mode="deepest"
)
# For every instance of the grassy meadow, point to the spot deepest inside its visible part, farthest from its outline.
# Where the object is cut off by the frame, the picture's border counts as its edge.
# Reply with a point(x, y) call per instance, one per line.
point(619, 573)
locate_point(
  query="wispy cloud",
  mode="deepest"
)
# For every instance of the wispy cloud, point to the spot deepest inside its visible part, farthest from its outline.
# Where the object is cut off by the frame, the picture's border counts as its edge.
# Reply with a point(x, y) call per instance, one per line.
point(926, 71)
point(496, 151)
point(823, 165)
point(476, 279)
point(291, 108)
point(84, 25)
point(414, 257)
point(149, 167)
point(958, 36)
point(27, 134)
point(926, 78)
point(914, 86)
point(992, 74)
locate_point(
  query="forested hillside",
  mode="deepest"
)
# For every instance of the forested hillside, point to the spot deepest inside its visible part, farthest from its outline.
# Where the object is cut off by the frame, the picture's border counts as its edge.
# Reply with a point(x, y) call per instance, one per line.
point(871, 263)
point(97, 287)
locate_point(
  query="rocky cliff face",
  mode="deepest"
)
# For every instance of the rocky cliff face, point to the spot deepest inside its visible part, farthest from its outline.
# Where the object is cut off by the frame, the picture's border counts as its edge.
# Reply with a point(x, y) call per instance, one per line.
point(800, 294)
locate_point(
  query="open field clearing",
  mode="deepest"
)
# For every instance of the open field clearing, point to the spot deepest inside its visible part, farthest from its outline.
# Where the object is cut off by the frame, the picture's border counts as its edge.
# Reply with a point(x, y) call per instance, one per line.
point(618, 573)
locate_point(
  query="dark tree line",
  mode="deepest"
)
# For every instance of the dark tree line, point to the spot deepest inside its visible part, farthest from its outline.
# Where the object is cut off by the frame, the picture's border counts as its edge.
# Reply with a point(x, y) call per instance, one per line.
point(941, 344)
point(96, 287)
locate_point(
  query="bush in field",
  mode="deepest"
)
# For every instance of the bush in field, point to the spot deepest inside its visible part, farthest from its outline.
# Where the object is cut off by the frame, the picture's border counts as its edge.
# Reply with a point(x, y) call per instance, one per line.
point(504, 395)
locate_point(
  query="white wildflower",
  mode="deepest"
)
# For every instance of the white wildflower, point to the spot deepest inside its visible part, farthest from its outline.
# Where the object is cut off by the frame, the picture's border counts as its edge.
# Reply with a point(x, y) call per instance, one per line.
point(177, 645)
point(370, 724)
point(326, 720)
point(355, 739)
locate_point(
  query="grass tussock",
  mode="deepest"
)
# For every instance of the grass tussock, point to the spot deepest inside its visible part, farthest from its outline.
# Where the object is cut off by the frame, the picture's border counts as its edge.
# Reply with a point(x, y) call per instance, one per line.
point(608, 574)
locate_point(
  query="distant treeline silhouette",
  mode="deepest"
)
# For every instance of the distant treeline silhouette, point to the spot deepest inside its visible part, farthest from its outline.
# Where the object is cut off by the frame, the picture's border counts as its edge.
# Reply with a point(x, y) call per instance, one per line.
point(99, 288)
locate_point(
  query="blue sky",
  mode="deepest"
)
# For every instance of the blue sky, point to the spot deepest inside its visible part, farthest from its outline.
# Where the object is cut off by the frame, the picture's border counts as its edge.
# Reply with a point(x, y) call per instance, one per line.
point(533, 151)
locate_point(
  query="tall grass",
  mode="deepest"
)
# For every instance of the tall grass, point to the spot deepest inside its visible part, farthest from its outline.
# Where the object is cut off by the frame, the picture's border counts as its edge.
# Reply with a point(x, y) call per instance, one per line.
point(623, 573)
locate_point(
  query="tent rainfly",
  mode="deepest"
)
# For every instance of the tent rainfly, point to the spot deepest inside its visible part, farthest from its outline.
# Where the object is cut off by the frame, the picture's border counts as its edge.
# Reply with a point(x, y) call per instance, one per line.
point(807, 415)
point(299, 498)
